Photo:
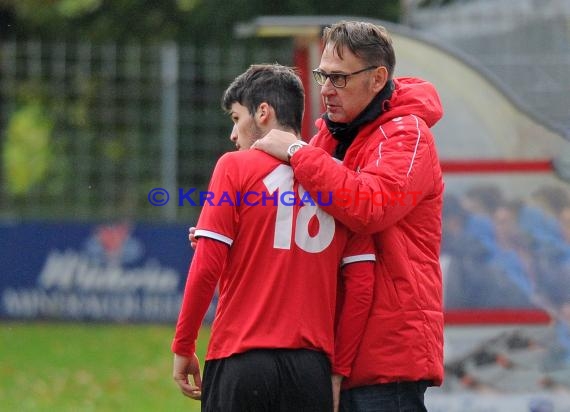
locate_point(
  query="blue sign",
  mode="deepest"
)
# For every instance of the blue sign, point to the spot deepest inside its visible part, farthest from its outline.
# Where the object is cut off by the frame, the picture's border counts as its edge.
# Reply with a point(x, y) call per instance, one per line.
point(100, 272)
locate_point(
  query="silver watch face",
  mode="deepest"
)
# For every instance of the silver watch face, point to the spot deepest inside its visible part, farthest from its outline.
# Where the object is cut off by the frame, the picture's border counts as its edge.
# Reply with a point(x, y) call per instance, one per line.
point(293, 148)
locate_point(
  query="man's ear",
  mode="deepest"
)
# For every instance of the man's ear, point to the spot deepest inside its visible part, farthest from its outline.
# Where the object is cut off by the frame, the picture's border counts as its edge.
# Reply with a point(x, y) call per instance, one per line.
point(380, 78)
point(264, 113)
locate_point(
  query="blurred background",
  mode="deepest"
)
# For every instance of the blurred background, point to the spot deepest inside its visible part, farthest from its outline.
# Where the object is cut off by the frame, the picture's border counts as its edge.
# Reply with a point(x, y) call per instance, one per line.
point(103, 102)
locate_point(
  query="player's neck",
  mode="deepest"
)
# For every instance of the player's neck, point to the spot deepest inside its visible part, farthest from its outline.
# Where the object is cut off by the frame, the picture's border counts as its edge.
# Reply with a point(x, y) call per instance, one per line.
point(288, 130)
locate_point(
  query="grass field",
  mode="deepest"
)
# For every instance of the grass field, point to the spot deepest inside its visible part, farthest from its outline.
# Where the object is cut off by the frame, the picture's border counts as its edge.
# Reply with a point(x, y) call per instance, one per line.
point(89, 367)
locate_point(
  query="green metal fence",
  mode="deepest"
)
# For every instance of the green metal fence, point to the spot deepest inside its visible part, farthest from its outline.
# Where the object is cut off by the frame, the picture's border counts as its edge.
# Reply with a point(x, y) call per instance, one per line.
point(88, 130)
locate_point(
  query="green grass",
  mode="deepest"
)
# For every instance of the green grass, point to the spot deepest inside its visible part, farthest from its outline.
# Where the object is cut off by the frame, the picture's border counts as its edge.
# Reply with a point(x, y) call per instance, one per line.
point(90, 367)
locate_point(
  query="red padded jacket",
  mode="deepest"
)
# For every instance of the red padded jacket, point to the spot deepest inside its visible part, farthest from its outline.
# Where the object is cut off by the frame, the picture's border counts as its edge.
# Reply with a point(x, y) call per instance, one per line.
point(392, 187)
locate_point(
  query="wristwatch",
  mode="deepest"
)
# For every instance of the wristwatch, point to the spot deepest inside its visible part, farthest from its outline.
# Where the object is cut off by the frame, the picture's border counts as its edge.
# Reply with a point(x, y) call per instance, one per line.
point(293, 147)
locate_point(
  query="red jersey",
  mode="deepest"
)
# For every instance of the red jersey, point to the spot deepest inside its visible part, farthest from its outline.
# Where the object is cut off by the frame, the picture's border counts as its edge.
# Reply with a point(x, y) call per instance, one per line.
point(278, 280)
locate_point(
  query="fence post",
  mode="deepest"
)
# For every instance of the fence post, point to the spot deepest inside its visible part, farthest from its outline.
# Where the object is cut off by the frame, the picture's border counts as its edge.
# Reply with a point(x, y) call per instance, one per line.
point(169, 125)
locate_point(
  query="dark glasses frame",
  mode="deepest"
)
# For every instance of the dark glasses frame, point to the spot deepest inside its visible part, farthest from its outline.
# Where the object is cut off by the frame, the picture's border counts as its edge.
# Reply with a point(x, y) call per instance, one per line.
point(338, 80)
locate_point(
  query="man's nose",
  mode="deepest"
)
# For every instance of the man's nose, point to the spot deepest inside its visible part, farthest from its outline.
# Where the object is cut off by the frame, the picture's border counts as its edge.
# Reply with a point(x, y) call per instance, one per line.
point(233, 134)
point(327, 89)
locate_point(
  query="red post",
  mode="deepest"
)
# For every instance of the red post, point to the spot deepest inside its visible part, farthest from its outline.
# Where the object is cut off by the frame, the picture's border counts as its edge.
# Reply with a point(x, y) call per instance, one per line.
point(301, 60)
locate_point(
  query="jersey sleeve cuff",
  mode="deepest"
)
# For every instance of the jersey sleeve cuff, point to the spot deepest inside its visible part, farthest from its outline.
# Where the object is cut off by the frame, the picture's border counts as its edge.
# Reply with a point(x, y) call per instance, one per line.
point(339, 370)
point(183, 350)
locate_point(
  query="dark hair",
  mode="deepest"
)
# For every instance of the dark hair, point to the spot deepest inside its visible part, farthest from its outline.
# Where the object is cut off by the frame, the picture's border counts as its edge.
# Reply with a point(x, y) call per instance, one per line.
point(452, 208)
point(554, 198)
point(367, 41)
point(488, 196)
point(277, 85)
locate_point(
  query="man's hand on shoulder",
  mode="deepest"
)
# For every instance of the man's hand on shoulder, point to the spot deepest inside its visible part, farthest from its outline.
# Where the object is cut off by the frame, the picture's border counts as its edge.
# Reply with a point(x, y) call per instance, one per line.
point(276, 143)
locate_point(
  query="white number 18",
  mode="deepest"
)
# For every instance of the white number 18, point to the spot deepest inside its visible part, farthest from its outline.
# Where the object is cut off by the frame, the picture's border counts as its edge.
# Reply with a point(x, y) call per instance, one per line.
point(281, 178)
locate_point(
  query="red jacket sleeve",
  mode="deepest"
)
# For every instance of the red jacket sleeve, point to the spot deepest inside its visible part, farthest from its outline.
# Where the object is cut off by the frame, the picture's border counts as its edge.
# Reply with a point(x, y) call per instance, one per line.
point(354, 303)
point(205, 270)
point(394, 175)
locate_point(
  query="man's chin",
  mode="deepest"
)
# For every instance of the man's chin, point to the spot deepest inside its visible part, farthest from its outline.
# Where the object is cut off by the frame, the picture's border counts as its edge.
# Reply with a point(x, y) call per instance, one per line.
point(336, 117)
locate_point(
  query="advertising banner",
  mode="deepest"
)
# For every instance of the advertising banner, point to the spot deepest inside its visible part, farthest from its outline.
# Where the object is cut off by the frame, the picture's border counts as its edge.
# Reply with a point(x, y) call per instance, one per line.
point(93, 272)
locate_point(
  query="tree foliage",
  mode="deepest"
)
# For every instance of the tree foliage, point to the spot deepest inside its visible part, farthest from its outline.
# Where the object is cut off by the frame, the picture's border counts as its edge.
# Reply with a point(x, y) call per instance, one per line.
point(27, 152)
point(151, 20)
point(38, 155)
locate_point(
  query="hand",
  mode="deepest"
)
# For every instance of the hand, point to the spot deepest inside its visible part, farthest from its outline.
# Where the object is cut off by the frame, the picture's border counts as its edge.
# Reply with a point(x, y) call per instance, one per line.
point(336, 382)
point(184, 366)
point(191, 237)
point(276, 143)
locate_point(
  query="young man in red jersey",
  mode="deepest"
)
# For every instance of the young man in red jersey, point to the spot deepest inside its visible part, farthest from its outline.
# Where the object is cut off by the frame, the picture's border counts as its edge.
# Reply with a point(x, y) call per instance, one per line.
point(276, 256)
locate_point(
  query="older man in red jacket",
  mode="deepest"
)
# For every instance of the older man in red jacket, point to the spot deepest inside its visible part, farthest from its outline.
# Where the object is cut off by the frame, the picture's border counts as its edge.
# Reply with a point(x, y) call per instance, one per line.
point(390, 185)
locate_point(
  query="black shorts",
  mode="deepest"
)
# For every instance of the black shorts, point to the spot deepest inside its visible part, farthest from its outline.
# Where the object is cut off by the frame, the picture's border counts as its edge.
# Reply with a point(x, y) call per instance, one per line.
point(271, 380)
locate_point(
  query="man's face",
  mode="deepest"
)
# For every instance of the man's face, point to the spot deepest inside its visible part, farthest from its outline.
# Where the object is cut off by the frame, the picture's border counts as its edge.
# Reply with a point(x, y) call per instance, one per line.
point(345, 104)
point(246, 130)
point(505, 221)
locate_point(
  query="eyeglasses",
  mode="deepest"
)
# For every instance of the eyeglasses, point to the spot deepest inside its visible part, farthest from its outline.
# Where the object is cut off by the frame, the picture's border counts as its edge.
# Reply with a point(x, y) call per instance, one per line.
point(338, 80)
